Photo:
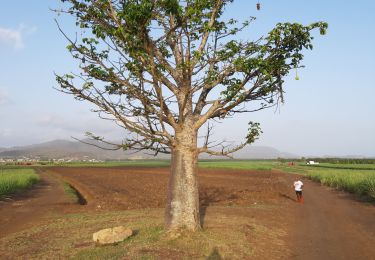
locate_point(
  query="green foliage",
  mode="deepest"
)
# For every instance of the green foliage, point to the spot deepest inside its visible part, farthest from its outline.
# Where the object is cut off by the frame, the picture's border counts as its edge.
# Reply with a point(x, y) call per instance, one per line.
point(129, 25)
point(13, 180)
point(254, 132)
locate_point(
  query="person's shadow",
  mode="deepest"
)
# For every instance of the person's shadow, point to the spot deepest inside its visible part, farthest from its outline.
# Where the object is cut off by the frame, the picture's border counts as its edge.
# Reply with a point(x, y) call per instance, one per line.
point(286, 196)
point(215, 255)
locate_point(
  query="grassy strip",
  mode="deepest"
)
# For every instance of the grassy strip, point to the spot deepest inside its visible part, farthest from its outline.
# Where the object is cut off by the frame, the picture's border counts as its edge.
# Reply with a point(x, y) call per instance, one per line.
point(72, 193)
point(357, 182)
point(140, 163)
point(238, 165)
point(367, 167)
point(137, 163)
point(13, 180)
point(226, 164)
point(292, 169)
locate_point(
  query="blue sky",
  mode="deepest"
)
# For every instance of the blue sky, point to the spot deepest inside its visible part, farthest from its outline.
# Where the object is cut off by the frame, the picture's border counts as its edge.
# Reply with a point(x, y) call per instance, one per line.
point(329, 111)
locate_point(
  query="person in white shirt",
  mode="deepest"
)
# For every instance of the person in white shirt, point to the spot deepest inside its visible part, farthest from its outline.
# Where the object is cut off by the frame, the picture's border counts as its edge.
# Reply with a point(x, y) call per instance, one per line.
point(298, 184)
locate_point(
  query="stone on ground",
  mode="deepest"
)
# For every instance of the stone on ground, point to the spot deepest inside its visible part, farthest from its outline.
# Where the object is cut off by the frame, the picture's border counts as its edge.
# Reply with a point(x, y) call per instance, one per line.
point(112, 235)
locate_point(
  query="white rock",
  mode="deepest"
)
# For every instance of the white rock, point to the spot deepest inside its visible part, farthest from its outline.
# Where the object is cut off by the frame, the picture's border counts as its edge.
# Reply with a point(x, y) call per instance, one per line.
point(112, 235)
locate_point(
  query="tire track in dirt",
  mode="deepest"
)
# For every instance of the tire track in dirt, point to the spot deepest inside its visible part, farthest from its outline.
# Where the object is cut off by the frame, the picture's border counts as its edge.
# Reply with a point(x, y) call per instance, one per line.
point(30, 207)
point(331, 225)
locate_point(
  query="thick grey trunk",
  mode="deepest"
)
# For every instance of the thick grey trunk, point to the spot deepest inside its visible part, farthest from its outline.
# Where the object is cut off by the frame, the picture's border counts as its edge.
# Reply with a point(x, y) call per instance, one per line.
point(182, 209)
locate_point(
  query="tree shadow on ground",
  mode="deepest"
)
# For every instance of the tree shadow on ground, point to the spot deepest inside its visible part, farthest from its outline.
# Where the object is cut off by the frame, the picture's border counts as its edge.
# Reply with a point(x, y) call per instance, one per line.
point(215, 255)
point(208, 196)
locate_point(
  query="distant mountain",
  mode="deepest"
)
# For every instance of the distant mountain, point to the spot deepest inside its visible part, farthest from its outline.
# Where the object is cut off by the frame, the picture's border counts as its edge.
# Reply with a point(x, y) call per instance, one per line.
point(77, 150)
point(262, 152)
point(71, 149)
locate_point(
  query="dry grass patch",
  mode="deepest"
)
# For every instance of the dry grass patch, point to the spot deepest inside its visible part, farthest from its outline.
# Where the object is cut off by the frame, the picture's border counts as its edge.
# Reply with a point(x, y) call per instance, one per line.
point(230, 232)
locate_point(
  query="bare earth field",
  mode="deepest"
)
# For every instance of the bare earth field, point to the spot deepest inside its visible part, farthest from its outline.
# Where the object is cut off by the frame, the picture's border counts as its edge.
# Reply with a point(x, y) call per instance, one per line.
point(245, 215)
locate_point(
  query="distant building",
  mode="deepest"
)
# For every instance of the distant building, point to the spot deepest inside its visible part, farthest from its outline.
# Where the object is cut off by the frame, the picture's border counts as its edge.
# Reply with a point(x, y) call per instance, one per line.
point(312, 162)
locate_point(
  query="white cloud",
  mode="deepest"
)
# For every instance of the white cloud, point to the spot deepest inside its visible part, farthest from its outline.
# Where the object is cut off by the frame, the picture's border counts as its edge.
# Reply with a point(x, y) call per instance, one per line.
point(3, 98)
point(5, 132)
point(14, 37)
point(11, 37)
point(28, 30)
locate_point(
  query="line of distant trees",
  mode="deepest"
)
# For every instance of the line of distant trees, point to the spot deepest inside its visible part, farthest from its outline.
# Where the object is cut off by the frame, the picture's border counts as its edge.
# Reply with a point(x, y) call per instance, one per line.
point(341, 160)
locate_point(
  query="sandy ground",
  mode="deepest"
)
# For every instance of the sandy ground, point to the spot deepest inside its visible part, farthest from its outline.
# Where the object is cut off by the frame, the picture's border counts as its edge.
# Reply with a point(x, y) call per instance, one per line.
point(329, 225)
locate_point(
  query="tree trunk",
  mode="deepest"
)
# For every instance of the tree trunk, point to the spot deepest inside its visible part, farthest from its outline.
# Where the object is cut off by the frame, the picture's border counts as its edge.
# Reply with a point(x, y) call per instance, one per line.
point(182, 209)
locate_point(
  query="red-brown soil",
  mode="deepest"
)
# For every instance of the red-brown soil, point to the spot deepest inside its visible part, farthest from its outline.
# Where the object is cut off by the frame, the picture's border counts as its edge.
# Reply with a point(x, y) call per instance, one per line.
point(329, 225)
point(133, 188)
point(25, 209)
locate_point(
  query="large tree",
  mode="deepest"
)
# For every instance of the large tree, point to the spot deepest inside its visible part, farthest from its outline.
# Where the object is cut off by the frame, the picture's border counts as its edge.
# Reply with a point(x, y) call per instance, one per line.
point(162, 69)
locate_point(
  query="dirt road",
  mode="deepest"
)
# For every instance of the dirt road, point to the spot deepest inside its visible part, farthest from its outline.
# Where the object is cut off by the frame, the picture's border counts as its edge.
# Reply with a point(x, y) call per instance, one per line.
point(332, 225)
point(29, 208)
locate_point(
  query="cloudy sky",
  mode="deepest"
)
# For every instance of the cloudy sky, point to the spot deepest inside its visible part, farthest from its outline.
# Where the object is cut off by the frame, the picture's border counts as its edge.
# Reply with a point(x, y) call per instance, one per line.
point(329, 111)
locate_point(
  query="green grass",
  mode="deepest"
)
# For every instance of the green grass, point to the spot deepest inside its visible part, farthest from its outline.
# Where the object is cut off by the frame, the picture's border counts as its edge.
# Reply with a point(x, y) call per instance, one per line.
point(360, 182)
point(140, 163)
point(239, 164)
point(343, 166)
point(135, 163)
point(72, 193)
point(13, 180)
point(226, 164)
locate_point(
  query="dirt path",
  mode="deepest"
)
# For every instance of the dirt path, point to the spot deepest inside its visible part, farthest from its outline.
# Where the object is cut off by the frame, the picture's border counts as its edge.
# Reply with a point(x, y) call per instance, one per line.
point(30, 207)
point(332, 225)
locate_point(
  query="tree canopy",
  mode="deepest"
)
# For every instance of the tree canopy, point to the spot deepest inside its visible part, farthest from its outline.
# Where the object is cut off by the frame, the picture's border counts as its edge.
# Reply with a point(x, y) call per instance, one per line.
point(153, 66)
